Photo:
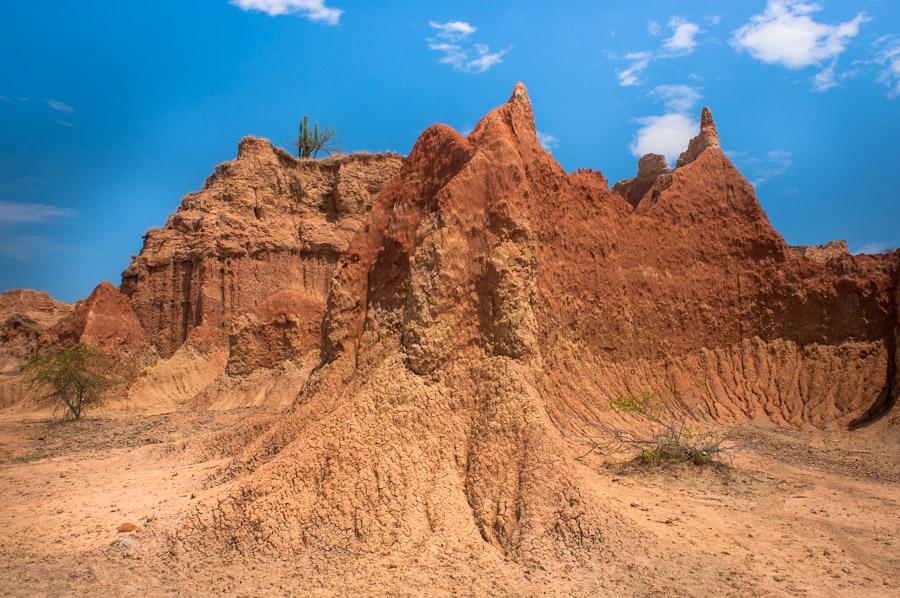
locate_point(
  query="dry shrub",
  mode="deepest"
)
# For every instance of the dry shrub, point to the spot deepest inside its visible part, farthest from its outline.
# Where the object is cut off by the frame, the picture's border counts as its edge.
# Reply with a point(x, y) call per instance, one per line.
point(663, 437)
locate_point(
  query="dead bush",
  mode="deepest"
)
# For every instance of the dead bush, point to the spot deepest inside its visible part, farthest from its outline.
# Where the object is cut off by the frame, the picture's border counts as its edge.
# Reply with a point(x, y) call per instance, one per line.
point(663, 434)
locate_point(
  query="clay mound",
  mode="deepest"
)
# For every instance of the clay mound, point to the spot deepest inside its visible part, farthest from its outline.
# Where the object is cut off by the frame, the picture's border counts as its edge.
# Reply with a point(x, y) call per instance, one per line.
point(426, 425)
point(38, 306)
point(263, 223)
point(493, 304)
point(104, 320)
point(24, 316)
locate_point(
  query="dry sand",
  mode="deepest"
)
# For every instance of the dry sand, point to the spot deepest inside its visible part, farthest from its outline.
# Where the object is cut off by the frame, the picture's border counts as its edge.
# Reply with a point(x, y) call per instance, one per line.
point(797, 513)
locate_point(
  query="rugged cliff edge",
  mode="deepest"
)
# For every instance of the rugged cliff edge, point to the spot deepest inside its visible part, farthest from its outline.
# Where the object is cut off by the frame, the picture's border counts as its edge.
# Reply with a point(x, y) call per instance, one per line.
point(263, 223)
point(490, 307)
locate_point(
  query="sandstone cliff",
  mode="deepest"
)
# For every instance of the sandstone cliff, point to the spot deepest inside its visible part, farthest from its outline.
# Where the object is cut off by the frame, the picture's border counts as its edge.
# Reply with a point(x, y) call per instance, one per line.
point(488, 310)
point(263, 223)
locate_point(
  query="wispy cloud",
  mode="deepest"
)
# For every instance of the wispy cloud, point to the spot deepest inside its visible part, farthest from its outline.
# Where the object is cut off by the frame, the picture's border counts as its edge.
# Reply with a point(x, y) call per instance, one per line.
point(760, 169)
point(453, 30)
point(875, 247)
point(631, 75)
point(471, 58)
point(60, 107)
point(313, 10)
point(65, 123)
point(681, 43)
point(4, 99)
point(786, 34)
point(20, 213)
point(677, 98)
point(547, 140)
point(683, 33)
point(888, 56)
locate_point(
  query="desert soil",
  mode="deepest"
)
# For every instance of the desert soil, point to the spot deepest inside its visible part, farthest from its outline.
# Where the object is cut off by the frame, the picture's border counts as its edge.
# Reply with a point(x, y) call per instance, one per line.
point(806, 513)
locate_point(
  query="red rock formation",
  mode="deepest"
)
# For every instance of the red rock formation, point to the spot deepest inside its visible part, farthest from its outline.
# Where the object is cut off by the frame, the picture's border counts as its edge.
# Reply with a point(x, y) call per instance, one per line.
point(494, 303)
point(652, 178)
point(104, 320)
point(263, 223)
point(24, 315)
point(708, 137)
point(36, 306)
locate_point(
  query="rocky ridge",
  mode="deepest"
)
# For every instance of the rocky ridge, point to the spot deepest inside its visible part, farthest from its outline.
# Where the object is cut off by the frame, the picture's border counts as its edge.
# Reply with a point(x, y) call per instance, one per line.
point(263, 223)
point(443, 325)
point(487, 311)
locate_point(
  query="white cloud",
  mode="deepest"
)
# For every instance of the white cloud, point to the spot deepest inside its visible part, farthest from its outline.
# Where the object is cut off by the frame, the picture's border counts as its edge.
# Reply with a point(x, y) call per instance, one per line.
point(631, 75)
point(825, 79)
point(714, 19)
point(683, 33)
point(668, 135)
point(760, 169)
point(888, 57)
point(677, 98)
point(20, 213)
point(875, 247)
point(453, 30)
point(474, 58)
point(681, 43)
point(785, 34)
point(314, 10)
point(547, 140)
point(60, 107)
point(65, 123)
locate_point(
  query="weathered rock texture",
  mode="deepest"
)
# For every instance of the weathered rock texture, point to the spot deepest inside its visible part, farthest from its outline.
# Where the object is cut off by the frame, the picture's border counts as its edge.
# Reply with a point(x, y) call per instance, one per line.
point(652, 179)
point(24, 316)
point(263, 223)
point(284, 327)
point(822, 253)
point(493, 303)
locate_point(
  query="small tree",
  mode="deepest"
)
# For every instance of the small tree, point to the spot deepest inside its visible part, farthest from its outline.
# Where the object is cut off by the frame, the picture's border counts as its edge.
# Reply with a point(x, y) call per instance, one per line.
point(665, 436)
point(310, 142)
point(77, 376)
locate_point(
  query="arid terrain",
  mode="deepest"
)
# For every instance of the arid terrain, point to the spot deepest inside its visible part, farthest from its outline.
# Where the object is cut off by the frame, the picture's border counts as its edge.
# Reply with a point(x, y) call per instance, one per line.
point(799, 513)
point(373, 374)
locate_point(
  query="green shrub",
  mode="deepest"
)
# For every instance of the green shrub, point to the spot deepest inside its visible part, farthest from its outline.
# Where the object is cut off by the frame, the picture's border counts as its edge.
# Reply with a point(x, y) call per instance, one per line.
point(77, 376)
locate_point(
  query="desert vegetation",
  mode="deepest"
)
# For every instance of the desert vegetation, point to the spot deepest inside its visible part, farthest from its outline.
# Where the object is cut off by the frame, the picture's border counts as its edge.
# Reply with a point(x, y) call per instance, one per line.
point(663, 434)
point(310, 142)
point(75, 377)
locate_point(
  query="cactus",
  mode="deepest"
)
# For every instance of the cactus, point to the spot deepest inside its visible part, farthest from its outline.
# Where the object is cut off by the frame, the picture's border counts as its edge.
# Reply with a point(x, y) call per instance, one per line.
point(309, 144)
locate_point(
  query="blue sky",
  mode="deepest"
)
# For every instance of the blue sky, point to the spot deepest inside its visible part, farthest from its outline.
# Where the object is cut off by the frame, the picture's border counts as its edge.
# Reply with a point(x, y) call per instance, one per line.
point(110, 111)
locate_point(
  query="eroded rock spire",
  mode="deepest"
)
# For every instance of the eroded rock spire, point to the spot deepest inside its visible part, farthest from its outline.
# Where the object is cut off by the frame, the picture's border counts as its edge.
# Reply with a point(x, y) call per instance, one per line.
point(708, 137)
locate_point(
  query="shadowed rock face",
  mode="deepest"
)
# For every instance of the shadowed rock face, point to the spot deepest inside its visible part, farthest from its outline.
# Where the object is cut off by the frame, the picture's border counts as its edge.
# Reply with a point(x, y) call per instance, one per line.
point(494, 303)
point(24, 315)
point(263, 223)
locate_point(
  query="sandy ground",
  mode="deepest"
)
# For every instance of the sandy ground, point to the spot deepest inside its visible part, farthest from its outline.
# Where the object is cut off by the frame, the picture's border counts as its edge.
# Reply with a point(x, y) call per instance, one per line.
point(796, 514)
